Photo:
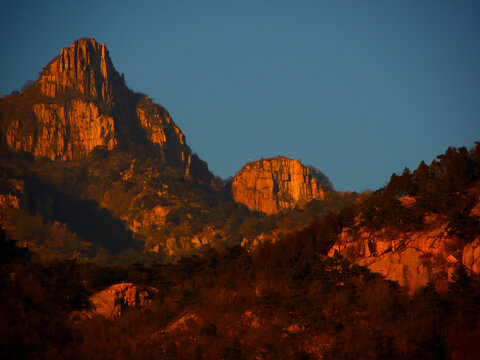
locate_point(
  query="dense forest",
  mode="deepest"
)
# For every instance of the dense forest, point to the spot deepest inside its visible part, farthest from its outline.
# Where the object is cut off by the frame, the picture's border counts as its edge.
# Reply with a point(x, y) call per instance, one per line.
point(281, 300)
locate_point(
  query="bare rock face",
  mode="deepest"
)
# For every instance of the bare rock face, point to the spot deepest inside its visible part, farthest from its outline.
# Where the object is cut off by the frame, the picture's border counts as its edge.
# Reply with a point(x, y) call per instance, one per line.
point(85, 67)
point(81, 102)
point(274, 184)
point(162, 131)
point(64, 132)
point(413, 259)
point(113, 301)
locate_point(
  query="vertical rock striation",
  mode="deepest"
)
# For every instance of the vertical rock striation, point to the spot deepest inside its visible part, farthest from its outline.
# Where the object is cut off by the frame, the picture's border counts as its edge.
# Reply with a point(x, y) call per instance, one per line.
point(63, 131)
point(84, 68)
point(275, 184)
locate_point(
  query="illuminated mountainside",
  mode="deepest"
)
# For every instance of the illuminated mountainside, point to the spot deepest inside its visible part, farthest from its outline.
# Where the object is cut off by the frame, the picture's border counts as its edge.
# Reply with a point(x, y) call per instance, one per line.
point(110, 168)
point(91, 163)
point(119, 243)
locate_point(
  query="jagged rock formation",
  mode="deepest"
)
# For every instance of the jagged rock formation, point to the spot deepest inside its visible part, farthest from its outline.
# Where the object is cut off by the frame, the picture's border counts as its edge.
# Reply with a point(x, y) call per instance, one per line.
point(412, 258)
point(81, 102)
point(85, 67)
point(275, 184)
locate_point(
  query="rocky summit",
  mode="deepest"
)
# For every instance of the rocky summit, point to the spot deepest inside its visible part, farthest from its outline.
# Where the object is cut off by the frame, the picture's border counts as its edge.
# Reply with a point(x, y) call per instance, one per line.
point(84, 67)
point(79, 103)
point(275, 184)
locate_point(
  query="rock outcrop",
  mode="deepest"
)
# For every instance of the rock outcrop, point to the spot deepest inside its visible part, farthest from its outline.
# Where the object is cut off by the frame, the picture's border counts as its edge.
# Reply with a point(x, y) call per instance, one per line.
point(113, 301)
point(412, 258)
point(275, 184)
point(81, 102)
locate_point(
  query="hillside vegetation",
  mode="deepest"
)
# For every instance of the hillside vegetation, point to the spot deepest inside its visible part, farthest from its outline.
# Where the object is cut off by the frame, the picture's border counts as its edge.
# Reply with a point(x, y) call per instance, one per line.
point(281, 300)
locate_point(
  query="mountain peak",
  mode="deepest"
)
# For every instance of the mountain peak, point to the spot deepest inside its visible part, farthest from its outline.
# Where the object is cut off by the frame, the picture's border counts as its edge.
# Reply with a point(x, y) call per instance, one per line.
point(84, 68)
point(81, 102)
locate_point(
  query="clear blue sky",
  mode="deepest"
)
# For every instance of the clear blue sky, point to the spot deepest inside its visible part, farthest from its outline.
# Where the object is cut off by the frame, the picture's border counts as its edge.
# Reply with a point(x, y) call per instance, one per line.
point(359, 89)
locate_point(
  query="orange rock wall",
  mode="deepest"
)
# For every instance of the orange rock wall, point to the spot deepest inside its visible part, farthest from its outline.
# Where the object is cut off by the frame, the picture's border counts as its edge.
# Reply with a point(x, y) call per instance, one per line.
point(64, 132)
point(274, 184)
point(84, 67)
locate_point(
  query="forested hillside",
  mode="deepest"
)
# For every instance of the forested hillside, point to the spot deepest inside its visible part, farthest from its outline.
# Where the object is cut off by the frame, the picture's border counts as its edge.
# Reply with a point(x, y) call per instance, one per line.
point(280, 300)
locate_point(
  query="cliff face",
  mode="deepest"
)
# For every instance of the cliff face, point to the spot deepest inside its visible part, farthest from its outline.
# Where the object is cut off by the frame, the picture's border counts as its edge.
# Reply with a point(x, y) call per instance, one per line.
point(275, 184)
point(63, 131)
point(162, 131)
point(81, 102)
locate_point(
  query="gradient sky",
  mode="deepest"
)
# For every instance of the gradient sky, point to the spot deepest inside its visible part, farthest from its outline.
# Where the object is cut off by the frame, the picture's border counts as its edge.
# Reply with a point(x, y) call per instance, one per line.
point(359, 89)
